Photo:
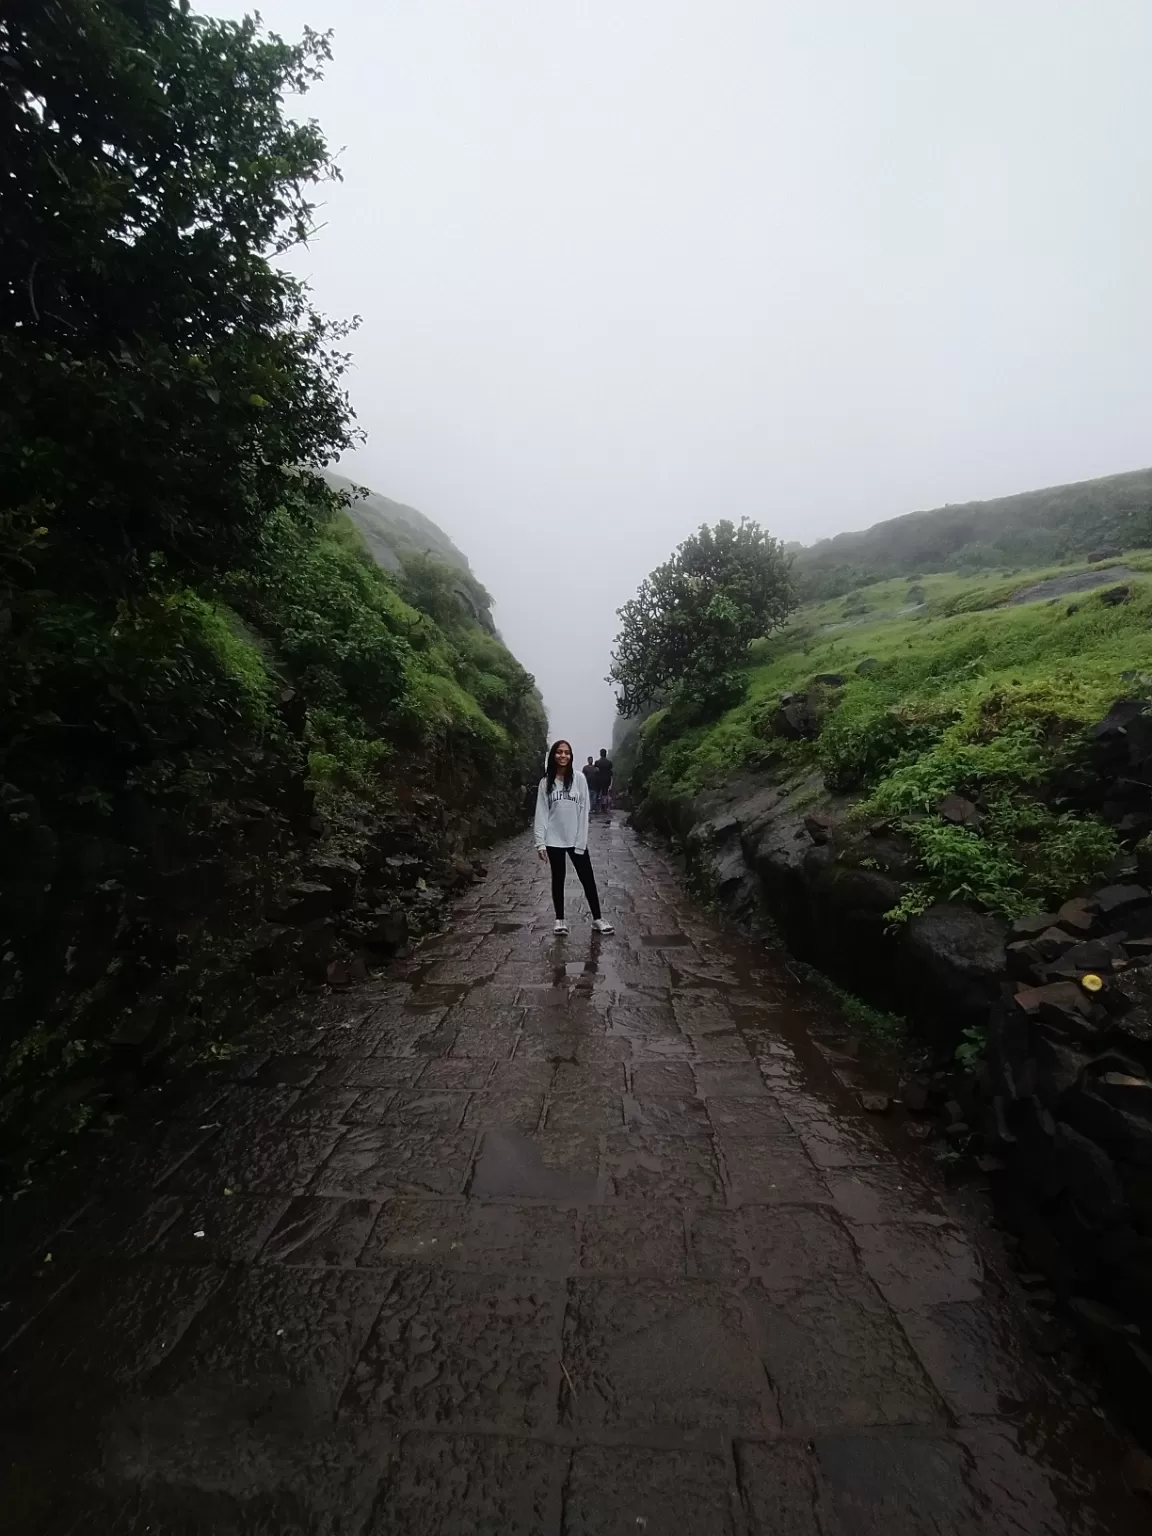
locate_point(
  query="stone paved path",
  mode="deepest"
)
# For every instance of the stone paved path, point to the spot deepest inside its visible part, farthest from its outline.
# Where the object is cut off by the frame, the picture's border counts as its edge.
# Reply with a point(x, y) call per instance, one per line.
point(536, 1237)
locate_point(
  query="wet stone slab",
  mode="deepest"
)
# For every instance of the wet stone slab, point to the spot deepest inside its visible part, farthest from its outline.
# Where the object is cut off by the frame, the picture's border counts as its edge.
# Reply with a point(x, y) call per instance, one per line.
point(453, 1348)
point(618, 1491)
point(534, 1237)
point(650, 1354)
point(467, 1485)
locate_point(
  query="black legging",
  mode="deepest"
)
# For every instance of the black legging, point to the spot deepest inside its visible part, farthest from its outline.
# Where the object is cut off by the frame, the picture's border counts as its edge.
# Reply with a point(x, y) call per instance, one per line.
point(583, 866)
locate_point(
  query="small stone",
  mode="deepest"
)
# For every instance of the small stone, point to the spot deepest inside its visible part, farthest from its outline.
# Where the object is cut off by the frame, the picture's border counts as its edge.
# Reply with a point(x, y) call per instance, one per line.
point(875, 1103)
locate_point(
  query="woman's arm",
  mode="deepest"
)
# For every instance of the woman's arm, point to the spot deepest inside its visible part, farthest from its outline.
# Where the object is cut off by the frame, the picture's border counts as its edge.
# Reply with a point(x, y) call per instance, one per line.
point(541, 827)
point(582, 800)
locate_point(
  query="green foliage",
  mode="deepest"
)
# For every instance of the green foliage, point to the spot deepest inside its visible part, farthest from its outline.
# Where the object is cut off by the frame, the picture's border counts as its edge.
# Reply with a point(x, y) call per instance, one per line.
point(689, 625)
point(162, 372)
point(193, 637)
point(972, 1048)
point(964, 698)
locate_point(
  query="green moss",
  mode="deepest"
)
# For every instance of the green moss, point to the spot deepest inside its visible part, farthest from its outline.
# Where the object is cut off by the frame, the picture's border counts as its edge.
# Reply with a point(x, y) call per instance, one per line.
point(964, 697)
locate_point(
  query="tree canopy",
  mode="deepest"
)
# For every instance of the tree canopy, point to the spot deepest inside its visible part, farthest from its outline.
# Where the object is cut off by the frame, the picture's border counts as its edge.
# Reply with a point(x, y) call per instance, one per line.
point(690, 623)
point(160, 373)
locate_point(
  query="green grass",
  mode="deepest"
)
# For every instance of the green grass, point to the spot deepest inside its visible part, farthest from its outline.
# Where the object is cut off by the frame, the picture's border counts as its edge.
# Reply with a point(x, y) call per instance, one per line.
point(966, 696)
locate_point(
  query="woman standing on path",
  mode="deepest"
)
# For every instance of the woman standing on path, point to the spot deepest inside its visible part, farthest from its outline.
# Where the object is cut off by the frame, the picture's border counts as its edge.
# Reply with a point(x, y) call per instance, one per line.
point(562, 832)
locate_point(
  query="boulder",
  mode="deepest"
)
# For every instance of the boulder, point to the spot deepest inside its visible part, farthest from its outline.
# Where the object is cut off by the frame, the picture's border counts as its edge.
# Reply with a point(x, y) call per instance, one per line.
point(829, 679)
point(302, 902)
point(1113, 901)
point(955, 957)
point(1088, 1173)
point(1054, 943)
point(387, 930)
point(819, 826)
point(1114, 596)
point(1024, 928)
point(866, 667)
point(1058, 1069)
point(1076, 917)
point(875, 1103)
point(341, 875)
point(796, 718)
point(1057, 994)
point(959, 811)
point(1125, 1135)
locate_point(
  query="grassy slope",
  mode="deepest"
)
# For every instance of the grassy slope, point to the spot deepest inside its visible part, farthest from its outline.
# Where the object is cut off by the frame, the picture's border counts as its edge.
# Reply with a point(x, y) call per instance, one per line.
point(1062, 522)
point(989, 702)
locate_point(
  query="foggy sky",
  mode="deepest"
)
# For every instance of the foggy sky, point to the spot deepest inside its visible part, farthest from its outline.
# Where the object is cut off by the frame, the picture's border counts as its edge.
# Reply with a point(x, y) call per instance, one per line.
point(625, 266)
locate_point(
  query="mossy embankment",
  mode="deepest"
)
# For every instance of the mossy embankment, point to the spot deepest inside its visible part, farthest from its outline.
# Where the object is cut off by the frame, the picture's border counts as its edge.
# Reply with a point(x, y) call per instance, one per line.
point(920, 741)
point(214, 793)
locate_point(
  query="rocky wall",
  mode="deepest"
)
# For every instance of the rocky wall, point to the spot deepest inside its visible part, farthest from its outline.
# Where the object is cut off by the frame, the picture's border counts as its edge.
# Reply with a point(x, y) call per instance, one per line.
point(1061, 1110)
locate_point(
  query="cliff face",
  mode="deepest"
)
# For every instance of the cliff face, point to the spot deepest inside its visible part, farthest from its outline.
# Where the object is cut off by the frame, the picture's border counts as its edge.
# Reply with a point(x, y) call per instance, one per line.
point(212, 796)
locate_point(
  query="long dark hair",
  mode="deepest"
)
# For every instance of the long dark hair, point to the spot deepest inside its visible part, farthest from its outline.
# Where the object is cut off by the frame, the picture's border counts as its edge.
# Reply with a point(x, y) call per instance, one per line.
point(551, 770)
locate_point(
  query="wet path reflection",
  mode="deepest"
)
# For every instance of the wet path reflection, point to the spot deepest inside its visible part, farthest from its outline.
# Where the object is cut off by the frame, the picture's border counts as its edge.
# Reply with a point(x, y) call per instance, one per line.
point(535, 1236)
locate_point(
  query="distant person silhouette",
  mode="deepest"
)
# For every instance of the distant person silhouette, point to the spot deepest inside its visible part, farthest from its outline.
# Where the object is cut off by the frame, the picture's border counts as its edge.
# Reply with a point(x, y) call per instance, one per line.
point(604, 780)
point(562, 832)
point(590, 774)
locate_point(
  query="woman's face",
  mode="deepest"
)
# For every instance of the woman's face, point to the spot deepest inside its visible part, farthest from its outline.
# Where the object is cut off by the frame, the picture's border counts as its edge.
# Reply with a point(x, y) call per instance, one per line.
point(563, 755)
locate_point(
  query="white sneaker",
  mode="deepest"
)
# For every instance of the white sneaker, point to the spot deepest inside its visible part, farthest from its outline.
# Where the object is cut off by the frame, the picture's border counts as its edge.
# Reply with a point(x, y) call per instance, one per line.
point(561, 926)
point(602, 925)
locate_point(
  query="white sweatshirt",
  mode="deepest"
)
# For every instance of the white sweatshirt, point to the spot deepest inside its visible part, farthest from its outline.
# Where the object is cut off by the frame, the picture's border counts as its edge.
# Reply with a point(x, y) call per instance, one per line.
point(562, 817)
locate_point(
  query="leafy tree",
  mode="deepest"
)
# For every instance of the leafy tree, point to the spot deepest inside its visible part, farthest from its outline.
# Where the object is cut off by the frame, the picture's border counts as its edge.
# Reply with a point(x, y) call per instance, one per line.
point(690, 623)
point(160, 373)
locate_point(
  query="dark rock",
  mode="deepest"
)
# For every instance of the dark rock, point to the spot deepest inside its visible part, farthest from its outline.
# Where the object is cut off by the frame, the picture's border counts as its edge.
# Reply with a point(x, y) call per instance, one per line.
point(956, 954)
point(1035, 1141)
point(1114, 900)
point(1088, 1173)
point(1067, 1025)
point(875, 1103)
point(1114, 596)
point(1093, 956)
point(387, 930)
point(867, 666)
point(797, 718)
point(1022, 960)
point(820, 827)
point(1126, 1135)
point(1058, 1069)
point(1127, 1362)
point(302, 902)
point(1130, 1091)
point(342, 974)
point(339, 874)
point(274, 948)
point(1054, 943)
point(829, 679)
point(1076, 917)
point(1030, 927)
point(1119, 717)
point(1058, 994)
point(916, 1096)
point(959, 812)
